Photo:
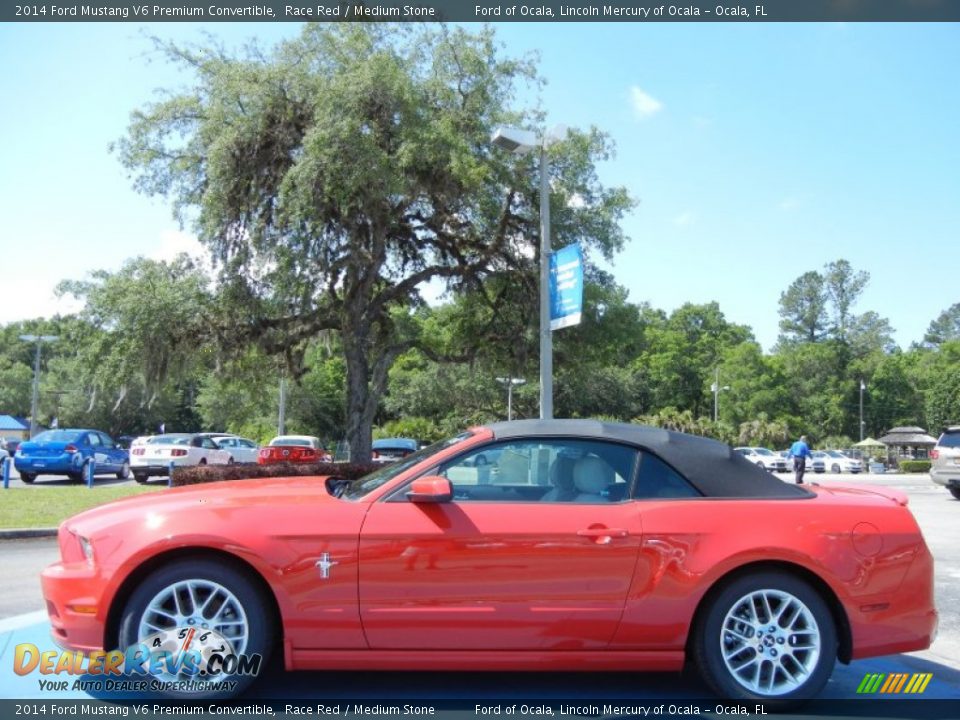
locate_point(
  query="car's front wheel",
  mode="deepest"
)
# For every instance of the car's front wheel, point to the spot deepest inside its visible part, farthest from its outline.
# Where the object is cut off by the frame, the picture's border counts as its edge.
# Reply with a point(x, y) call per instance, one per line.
point(955, 491)
point(124, 472)
point(835, 469)
point(140, 477)
point(766, 636)
point(223, 608)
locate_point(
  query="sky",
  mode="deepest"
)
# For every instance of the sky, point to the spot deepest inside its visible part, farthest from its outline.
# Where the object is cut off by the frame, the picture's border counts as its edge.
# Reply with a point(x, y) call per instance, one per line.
point(757, 152)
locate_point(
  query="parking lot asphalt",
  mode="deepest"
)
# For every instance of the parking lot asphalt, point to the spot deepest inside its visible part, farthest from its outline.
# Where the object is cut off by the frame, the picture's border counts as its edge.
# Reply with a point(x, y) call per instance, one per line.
point(936, 512)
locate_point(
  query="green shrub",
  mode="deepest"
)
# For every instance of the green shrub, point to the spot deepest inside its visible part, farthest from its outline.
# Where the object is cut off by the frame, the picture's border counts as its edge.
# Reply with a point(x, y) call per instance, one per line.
point(914, 466)
point(244, 471)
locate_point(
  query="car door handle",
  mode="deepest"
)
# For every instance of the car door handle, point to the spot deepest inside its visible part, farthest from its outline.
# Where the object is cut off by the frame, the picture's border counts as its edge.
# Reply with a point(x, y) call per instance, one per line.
point(603, 535)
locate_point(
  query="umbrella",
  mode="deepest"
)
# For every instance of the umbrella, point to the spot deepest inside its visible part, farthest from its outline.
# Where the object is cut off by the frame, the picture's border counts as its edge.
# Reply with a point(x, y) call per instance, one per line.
point(869, 443)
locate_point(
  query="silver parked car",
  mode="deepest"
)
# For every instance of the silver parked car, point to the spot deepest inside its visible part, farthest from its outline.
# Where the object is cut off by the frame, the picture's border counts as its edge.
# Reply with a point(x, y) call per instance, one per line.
point(945, 461)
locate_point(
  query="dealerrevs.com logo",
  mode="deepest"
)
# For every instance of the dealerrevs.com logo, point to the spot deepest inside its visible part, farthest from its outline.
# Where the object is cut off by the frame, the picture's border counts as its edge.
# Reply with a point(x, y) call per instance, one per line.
point(179, 660)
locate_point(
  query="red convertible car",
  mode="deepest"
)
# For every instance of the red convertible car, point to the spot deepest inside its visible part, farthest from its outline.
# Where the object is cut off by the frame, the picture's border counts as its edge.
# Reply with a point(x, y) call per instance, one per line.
point(573, 545)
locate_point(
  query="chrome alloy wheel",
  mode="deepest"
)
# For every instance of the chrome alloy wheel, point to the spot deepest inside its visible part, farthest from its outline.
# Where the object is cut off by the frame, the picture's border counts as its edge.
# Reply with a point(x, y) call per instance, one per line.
point(770, 642)
point(199, 604)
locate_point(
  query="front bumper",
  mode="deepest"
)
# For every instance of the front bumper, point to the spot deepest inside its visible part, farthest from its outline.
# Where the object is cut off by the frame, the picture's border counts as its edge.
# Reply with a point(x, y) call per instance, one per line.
point(72, 594)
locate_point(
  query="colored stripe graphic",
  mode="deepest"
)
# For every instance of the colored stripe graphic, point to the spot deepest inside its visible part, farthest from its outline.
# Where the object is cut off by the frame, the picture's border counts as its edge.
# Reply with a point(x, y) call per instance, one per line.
point(894, 683)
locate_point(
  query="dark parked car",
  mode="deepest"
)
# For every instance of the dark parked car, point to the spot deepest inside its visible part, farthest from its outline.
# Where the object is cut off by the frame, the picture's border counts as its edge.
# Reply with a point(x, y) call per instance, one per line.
point(69, 452)
point(388, 450)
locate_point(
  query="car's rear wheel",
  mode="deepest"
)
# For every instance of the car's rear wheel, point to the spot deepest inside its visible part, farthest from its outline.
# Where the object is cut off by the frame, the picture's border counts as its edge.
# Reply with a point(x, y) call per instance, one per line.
point(140, 477)
point(203, 595)
point(766, 636)
point(124, 472)
point(28, 477)
point(955, 491)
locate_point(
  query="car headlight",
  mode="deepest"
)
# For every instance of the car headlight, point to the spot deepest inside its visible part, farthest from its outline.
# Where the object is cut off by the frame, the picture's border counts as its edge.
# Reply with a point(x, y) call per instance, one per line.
point(87, 547)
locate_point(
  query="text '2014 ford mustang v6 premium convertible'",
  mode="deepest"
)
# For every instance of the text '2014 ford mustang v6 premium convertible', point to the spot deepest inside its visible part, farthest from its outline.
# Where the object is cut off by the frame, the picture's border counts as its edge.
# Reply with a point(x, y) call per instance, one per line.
point(560, 544)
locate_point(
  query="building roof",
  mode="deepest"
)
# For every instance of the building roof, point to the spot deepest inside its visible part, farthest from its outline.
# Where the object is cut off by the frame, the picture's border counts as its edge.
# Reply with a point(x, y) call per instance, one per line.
point(711, 466)
point(908, 435)
point(11, 422)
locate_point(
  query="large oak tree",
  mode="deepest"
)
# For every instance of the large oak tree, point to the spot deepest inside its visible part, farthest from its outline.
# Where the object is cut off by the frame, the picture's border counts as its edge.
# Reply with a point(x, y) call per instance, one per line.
point(336, 174)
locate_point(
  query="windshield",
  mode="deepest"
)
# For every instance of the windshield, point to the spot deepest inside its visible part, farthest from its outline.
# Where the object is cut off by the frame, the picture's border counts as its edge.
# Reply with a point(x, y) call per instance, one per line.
point(835, 453)
point(57, 436)
point(292, 441)
point(368, 483)
point(762, 451)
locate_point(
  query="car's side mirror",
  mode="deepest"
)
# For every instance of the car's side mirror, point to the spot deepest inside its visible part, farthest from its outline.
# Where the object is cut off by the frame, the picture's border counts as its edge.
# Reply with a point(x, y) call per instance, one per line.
point(430, 489)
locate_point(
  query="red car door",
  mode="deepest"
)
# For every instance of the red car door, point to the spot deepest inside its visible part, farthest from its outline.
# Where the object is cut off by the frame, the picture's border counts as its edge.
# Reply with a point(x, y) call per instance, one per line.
point(509, 563)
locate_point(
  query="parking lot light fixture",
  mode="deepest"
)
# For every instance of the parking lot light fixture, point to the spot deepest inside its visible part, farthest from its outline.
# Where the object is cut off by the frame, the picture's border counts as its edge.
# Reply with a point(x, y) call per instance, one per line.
point(715, 388)
point(510, 382)
point(35, 399)
point(521, 142)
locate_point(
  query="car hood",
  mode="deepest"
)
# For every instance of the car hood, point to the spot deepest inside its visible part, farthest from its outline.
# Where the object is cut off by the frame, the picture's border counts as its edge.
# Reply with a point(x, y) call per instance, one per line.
point(218, 497)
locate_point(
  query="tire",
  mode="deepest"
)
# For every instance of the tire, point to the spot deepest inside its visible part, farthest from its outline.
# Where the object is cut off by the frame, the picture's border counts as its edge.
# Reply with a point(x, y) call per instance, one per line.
point(204, 579)
point(124, 472)
point(835, 469)
point(955, 491)
point(746, 674)
point(203, 461)
point(28, 478)
point(140, 477)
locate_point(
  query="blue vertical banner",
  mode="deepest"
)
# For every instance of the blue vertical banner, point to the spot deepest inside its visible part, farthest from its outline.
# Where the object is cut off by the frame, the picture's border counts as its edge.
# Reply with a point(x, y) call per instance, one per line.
point(566, 287)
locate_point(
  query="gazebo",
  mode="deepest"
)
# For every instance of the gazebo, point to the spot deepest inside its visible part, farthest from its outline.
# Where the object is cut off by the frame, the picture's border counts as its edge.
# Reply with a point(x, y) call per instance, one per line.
point(908, 442)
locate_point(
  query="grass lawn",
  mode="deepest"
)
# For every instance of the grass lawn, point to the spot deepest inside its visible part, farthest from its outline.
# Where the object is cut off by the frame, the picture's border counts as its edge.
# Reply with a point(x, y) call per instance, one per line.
point(48, 506)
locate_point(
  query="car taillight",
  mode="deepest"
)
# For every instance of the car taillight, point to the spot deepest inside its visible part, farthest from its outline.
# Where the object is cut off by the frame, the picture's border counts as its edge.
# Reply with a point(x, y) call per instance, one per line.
point(934, 454)
point(177, 452)
point(375, 455)
point(70, 448)
point(137, 451)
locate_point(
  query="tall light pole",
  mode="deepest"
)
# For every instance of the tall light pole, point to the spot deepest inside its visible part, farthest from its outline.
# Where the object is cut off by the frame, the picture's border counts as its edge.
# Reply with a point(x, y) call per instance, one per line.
point(282, 414)
point(520, 142)
point(716, 394)
point(863, 386)
point(35, 400)
point(510, 382)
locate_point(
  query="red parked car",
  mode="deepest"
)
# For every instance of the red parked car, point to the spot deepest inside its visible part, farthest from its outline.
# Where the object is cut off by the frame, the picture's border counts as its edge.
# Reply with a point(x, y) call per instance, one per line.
point(574, 545)
point(293, 448)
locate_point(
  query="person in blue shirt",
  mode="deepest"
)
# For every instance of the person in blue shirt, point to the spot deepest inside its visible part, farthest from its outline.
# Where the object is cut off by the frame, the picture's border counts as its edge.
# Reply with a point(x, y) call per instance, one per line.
point(800, 451)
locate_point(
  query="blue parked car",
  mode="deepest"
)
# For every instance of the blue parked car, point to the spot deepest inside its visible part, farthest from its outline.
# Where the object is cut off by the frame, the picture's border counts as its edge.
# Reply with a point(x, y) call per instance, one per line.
point(67, 452)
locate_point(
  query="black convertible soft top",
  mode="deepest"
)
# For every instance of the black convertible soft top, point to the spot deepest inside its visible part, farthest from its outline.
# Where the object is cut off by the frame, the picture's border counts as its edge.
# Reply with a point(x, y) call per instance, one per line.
point(710, 466)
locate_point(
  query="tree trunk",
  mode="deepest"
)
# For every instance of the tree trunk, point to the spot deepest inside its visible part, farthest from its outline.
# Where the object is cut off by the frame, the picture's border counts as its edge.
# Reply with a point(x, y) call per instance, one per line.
point(359, 420)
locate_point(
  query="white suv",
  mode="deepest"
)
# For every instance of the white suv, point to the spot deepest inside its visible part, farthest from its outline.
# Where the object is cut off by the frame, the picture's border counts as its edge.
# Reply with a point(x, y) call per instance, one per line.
point(945, 461)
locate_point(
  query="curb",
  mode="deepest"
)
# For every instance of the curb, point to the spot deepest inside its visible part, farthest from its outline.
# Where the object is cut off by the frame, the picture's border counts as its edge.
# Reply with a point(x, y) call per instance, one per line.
point(24, 533)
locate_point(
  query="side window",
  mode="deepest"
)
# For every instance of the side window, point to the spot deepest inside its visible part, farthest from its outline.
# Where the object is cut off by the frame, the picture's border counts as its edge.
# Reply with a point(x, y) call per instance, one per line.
point(543, 470)
point(225, 442)
point(208, 444)
point(656, 479)
point(107, 441)
point(247, 443)
point(93, 439)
